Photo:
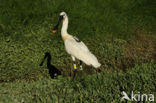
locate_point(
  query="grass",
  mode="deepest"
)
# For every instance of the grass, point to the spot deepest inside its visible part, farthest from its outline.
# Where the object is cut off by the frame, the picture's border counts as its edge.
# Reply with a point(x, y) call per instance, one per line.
point(100, 17)
point(120, 33)
point(105, 87)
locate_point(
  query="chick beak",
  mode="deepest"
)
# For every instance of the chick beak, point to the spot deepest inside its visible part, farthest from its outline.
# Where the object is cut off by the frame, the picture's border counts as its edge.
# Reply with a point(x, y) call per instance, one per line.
point(56, 27)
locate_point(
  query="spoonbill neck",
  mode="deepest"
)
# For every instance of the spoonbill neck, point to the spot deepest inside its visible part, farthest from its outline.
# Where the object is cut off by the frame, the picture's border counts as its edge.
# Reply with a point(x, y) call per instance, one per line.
point(64, 27)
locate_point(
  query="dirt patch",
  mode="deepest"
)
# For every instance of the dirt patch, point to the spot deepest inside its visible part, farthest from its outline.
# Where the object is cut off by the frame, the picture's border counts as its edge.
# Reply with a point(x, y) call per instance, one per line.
point(140, 49)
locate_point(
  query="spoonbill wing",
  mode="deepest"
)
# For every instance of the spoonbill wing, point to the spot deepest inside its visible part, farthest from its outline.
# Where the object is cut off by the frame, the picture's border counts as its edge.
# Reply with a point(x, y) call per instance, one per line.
point(81, 52)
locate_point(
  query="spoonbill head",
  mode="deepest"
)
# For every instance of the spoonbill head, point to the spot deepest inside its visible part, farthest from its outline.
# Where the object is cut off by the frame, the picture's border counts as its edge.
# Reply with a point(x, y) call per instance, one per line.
point(63, 17)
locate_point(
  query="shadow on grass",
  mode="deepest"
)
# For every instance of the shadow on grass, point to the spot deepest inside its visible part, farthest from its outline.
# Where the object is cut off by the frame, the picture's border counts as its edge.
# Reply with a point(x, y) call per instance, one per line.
point(53, 71)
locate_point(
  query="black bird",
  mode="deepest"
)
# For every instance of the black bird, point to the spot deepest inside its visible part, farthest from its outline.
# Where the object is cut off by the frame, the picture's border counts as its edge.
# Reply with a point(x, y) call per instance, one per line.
point(52, 69)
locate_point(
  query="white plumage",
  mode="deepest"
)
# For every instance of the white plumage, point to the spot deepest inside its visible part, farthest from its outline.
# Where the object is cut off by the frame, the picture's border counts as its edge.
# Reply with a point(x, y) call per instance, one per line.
point(74, 47)
point(80, 51)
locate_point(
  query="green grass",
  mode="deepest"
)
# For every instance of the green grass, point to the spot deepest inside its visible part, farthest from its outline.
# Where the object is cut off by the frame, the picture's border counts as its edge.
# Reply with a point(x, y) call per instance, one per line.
point(118, 18)
point(100, 88)
point(109, 28)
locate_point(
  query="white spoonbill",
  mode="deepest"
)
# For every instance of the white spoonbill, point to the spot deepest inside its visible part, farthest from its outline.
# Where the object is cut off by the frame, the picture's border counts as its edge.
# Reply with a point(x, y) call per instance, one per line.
point(76, 48)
